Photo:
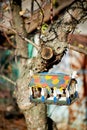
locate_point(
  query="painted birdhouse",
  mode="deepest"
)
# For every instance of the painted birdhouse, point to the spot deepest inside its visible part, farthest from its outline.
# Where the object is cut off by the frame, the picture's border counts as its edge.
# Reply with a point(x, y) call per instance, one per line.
point(60, 88)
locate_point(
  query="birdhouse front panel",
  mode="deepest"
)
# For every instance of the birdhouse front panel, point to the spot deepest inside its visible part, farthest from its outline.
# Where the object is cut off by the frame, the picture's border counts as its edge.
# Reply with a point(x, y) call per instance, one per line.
point(52, 88)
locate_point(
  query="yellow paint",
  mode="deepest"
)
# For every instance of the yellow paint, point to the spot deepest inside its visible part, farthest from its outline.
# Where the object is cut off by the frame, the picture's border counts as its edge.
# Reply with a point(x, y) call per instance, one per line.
point(37, 86)
point(48, 77)
point(48, 88)
point(66, 81)
point(61, 89)
point(55, 81)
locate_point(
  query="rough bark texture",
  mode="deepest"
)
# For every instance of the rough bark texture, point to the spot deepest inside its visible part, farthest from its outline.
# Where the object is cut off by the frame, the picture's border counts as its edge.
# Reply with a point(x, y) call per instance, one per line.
point(35, 116)
point(19, 26)
point(56, 39)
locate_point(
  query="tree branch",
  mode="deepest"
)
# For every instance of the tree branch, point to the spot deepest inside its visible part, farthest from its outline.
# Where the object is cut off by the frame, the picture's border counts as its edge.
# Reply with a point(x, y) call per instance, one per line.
point(8, 40)
point(78, 42)
point(20, 35)
point(9, 80)
point(33, 22)
point(75, 48)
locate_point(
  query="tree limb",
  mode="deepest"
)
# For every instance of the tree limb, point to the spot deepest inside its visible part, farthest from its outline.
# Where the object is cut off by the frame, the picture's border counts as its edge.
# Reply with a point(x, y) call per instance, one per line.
point(78, 42)
point(9, 80)
point(22, 93)
point(33, 22)
point(20, 35)
point(8, 40)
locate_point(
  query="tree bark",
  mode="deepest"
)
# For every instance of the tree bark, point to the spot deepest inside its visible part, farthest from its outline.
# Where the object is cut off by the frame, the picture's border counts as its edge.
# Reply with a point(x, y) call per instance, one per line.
point(19, 26)
point(35, 115)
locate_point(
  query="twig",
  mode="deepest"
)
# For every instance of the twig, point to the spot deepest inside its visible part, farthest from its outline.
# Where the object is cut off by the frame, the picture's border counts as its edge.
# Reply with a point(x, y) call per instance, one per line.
point(3, 48)
point(76, 49)
point(20, 56)
point(9, 40)
point(10, 11)
point(32, 7)
point(20, 35)
point(29, 41)
point(77, 42)
point(42, 19)
point(40, 10)
point(9, 80)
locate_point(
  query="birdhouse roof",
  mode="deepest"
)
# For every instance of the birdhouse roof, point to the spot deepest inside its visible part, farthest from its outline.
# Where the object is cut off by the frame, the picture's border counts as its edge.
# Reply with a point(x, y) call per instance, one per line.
point(59, 80)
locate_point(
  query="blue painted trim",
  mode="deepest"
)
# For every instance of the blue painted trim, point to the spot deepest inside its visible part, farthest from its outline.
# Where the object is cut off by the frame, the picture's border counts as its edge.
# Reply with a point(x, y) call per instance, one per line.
point(55, 99)
point(43, 99)
point(68, 101)
point(76, 94)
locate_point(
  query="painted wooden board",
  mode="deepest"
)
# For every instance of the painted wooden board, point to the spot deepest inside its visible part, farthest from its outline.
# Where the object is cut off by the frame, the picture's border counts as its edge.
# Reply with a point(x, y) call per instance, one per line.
point(42, 80)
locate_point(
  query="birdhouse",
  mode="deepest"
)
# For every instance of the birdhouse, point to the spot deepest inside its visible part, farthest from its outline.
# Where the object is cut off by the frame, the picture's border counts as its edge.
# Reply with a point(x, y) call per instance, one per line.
point(60, 88)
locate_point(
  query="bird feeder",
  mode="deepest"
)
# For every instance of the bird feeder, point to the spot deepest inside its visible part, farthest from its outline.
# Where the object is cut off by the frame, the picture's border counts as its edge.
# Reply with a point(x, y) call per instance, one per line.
point(59, 89)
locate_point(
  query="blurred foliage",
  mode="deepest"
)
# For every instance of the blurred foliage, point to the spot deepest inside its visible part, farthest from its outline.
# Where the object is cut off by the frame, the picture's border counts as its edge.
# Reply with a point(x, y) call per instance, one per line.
point(8, 66)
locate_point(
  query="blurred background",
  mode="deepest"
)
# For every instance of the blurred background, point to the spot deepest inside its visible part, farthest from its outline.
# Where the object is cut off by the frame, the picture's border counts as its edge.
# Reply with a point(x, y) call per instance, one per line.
point(73, 117)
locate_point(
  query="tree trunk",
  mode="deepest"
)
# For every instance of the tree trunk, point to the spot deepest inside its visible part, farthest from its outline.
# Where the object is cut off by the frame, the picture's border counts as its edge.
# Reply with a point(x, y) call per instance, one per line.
point(35, 115)
point(19, 26)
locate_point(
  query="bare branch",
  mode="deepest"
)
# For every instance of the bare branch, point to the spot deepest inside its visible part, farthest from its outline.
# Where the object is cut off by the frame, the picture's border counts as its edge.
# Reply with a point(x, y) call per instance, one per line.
point(20, 35)
point(33, 22)
point(9, 41)
point(75, 48)
point(9, 80)
point(78, 42)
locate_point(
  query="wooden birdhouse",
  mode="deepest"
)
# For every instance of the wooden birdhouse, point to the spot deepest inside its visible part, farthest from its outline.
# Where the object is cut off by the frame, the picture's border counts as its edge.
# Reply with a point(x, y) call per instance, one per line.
point(60, 89)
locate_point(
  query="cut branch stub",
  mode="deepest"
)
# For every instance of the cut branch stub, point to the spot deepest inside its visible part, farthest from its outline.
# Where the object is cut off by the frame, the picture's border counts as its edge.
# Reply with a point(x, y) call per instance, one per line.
point(47, 53)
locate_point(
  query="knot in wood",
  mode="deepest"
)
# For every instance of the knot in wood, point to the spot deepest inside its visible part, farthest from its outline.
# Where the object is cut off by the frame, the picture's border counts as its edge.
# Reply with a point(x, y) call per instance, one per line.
point(47, 53)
